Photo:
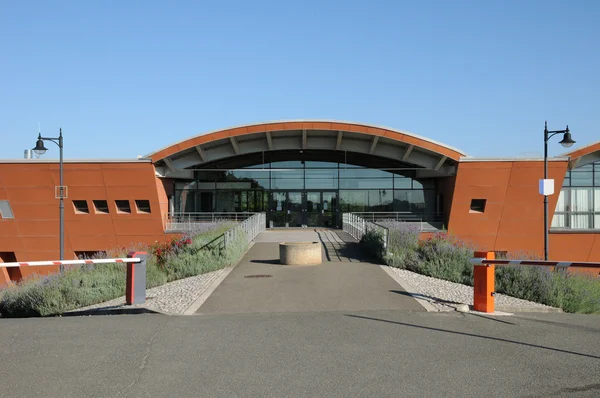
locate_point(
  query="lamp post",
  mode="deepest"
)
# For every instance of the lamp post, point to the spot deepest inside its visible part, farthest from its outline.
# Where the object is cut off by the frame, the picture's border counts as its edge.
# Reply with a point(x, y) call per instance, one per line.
point(566, 142)
point(40, 149)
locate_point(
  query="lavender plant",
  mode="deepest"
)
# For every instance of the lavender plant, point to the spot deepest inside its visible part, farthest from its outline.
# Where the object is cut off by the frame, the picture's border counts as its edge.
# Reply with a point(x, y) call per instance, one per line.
point(89, 284)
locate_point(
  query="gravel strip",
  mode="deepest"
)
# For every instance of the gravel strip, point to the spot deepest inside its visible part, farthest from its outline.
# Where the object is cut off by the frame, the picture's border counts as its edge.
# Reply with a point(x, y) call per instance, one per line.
point(172, 298)
point(443, 295)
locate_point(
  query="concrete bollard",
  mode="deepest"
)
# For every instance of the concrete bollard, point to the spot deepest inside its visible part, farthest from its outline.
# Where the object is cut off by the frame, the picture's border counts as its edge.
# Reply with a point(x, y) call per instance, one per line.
point(300, 253)
point(135, 291)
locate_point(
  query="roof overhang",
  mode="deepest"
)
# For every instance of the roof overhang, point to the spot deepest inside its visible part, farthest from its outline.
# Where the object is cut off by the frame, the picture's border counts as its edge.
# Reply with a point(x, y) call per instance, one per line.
point(204, 150)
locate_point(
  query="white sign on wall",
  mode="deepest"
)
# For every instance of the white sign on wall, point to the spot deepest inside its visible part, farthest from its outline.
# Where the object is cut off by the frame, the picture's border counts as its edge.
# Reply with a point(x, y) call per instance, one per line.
point(547, 187)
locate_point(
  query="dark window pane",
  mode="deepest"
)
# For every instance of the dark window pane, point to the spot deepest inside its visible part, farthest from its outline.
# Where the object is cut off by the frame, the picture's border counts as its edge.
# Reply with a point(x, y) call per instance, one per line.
point(234, 185)
point(287, 174)
point(424, 184)
point(380, 200)
point(261, 183)
point(186, 185)
point(402, 182)
point(581, 178)
point(210, 175)
point(287, 183)
point(205, 185)
point(354, 200)
point(259, 166)
point(370, 183)
point(227, 201)
point(365, 173)
point(288, 164)
point(414, 201)
point(321, 183)
point(321, 174)
point(597, 177)
point(247, 174)
point(320, 165)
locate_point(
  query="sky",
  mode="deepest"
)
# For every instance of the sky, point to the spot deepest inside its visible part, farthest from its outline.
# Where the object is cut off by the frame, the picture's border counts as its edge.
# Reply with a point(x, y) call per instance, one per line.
point(126, 78)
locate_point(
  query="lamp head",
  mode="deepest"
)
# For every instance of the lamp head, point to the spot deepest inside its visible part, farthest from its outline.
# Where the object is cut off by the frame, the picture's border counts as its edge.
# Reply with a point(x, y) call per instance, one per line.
point(567, 141)
point(40, 149)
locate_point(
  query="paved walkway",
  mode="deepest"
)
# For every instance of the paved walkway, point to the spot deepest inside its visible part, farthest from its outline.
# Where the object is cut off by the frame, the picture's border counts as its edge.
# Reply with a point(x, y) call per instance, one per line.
point(330, 285)
point(345, 281)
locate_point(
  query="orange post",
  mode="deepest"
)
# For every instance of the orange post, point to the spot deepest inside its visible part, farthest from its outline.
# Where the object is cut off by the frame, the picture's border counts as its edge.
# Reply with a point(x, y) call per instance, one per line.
point(483, 283)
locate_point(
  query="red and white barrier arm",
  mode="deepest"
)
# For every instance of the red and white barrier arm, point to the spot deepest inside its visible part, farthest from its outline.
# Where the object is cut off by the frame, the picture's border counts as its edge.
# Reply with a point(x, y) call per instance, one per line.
point(71, 262)
point(483, 261)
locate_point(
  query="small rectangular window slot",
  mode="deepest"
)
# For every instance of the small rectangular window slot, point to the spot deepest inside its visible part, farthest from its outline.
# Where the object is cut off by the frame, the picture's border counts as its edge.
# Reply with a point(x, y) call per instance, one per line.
point(81, 207)
point(100, 206)
point(14, 273)
point(123, 206)
point(478, 205)
point(5, 209)
point(142, 206)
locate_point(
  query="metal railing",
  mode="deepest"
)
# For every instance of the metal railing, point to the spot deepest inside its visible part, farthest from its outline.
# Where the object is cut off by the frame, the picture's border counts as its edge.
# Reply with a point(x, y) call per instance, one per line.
point(357, 226)
point(188, 221)
point(251, 226)
point(426, 222)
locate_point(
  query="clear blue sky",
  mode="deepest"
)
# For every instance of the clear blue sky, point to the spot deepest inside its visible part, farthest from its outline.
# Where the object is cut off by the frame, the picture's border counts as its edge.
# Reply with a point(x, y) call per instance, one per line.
point(125, 78)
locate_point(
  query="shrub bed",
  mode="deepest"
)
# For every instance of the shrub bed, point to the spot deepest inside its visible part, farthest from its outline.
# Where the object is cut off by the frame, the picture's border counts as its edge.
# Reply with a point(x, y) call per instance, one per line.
point(79, 286)
point(446, 257)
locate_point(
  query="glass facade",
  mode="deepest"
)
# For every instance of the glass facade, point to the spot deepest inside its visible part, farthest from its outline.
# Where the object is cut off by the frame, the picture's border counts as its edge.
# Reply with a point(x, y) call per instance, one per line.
point(578, 204)
point(295, 193)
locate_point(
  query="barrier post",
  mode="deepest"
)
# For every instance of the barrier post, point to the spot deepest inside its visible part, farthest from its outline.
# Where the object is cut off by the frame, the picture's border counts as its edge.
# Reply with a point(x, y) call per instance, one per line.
point(135, 290)
point(483, 283)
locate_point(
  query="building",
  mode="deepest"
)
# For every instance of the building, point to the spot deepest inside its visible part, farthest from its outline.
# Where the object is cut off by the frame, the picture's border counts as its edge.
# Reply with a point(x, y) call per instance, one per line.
point(301, 173)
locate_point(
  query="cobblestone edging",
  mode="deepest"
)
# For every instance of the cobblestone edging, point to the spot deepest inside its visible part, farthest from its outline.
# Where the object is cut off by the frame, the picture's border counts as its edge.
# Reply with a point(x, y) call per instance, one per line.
point(173, 298)
point(444, 295)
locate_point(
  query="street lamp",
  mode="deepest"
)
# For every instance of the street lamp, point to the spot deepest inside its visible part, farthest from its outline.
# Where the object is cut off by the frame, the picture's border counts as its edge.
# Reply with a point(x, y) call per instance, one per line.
point(547, 186)
point(40, 149)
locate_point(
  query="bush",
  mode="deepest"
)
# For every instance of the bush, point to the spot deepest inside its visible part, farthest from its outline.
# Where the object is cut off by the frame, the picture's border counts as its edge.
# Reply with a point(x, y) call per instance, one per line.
point(536, 284)
point(403, 242)
point(80, 286)
point(447, 257)
point(581, 293)
point(372, 243)
point(57, 293)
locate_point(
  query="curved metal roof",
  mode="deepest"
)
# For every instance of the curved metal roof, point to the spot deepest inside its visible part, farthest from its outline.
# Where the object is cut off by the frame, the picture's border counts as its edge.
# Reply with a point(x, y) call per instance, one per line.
point(301, 135)
point(302, 125)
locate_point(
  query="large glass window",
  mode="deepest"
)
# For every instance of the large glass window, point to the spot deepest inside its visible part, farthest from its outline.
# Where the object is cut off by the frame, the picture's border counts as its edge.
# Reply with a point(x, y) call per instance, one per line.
point(359, 189)
point(578, 205)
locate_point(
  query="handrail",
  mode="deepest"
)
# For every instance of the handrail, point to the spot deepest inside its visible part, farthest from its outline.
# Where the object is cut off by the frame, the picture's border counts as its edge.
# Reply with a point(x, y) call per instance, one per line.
point(408, 217)
point(251, 226)
point(186, 221)
point(357, 227)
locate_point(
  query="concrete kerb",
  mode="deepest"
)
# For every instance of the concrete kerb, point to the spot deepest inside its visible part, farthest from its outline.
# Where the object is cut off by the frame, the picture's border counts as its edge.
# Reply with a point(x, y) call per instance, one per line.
point(141, 309)
point(191, 310)
point(465, 308)
point(409, 289)
point(529, 309)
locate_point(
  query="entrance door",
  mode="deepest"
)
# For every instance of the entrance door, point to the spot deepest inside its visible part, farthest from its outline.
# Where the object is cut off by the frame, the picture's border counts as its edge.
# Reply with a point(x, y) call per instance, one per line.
point(298, 209)
point(286, 209)
point(329, 212)
point(321, 209)
point(295, 209)
point(313, 214)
